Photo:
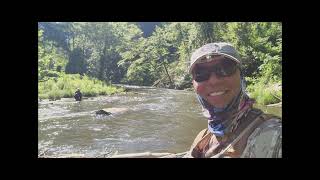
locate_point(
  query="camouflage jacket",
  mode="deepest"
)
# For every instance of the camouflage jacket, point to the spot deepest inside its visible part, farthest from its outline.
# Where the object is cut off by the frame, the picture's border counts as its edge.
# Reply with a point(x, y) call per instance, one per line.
point(262, 140)
point(265, 141)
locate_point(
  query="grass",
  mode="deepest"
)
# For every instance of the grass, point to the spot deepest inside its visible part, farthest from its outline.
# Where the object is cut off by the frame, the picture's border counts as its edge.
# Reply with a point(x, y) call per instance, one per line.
point(264, 94)
point(66, 84)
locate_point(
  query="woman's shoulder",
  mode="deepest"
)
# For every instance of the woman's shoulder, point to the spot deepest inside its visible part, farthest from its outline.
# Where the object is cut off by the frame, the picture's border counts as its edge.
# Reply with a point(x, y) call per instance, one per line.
point(266, 140)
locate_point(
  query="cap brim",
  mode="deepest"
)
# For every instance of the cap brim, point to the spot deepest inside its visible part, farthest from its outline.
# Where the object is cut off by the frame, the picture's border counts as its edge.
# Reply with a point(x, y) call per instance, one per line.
point(196, 61)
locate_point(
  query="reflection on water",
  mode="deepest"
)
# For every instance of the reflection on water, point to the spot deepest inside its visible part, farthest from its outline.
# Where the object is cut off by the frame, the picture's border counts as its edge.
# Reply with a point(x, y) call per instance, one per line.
point(157, 120)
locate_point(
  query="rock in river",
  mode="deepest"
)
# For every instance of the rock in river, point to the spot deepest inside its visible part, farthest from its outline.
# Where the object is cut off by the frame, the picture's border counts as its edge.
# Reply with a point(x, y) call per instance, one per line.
point(109, 111)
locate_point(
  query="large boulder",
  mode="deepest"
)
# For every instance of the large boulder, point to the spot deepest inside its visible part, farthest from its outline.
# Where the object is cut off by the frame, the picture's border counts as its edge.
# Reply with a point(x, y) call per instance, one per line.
point(109, 111)
point(103, 112)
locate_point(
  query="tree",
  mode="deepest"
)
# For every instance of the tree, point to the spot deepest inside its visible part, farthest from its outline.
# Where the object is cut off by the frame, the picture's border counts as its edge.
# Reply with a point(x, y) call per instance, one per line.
point(153, 52)
point(49, 58)
point(259, 45)
point(148, 27)
point(76, 64)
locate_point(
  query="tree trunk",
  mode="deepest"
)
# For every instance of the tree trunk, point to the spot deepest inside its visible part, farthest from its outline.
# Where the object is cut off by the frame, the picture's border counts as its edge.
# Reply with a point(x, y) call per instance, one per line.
point(171, 83)
point(102, 63)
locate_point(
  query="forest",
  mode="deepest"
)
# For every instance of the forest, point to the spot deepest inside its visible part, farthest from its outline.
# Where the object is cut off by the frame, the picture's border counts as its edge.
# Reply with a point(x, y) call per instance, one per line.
point(92, 56)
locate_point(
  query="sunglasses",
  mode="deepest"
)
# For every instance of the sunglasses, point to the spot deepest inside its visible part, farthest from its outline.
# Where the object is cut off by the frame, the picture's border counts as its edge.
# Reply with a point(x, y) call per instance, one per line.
point(225, 68)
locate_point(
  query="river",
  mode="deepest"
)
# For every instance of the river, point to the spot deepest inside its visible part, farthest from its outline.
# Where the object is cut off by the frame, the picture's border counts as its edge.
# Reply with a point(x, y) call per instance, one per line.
point(155, 120)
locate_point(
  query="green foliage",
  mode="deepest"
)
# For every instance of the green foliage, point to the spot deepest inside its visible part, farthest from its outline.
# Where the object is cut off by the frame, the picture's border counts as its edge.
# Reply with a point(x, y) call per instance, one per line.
point(50, 58)
point(76, 64)
point(66, 84)
point(259, 45)
point(265, 93)
point(136, 53)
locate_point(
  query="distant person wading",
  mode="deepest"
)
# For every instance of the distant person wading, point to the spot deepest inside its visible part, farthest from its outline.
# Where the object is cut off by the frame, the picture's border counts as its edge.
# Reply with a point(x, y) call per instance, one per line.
point(78, 95)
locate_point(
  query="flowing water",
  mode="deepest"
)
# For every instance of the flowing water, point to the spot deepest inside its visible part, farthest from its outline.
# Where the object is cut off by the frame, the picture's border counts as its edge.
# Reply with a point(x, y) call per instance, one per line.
point(154, 119)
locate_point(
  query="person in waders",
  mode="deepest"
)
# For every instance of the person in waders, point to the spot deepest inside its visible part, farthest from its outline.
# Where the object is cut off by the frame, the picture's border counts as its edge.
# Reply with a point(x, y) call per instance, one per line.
point(235, 129)
point(78, 95)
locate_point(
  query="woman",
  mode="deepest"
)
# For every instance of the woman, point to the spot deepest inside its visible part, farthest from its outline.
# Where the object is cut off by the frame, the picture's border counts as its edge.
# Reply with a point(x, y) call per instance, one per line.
point(235, 128)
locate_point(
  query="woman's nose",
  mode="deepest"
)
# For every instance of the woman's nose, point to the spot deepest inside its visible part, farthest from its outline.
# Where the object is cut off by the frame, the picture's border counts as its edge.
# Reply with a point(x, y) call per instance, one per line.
point(213, 78)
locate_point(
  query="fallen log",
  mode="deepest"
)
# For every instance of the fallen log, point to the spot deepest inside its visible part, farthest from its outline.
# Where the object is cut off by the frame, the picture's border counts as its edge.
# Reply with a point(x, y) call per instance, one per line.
point(276, 104)
point(140, 155)
point(130, 155)
point(74, 155)
point(177, 155)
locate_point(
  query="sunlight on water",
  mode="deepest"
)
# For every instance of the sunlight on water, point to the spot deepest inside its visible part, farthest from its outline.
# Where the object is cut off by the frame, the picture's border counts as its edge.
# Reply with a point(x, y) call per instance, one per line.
point(156, 120)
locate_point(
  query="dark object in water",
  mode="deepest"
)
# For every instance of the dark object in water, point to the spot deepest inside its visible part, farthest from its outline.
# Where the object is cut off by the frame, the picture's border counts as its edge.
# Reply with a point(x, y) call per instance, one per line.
point(103, 112)
point(109, 111)
point(78, 95)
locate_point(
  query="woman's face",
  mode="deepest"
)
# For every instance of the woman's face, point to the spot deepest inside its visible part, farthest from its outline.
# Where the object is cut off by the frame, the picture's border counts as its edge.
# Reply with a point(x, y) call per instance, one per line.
point(218, 91)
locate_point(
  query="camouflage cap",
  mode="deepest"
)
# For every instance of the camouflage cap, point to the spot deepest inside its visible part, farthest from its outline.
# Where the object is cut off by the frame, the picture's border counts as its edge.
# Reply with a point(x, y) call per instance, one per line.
point(204, 53)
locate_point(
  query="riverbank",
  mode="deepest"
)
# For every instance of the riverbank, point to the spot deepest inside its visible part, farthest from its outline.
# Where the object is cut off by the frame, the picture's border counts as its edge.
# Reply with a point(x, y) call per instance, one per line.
point(65, 85)
point(266, 94)
point(270, 94)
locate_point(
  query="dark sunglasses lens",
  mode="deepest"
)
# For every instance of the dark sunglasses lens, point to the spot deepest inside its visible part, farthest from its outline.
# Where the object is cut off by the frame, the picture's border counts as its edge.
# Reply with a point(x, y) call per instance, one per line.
point(202, 75)
point(225, 68)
